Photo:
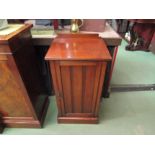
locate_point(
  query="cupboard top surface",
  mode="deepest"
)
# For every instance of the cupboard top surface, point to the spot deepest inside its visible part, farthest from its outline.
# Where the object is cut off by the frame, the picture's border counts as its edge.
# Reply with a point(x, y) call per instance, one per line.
point(83, 47)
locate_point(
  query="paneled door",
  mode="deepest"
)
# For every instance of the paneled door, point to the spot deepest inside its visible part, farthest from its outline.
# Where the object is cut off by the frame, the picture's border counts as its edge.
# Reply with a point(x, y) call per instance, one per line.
point(78, 86)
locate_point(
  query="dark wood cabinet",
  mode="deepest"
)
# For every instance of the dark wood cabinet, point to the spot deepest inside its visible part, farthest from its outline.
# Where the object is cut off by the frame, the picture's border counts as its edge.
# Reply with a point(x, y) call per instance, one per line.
point(1, 124)
point(23, 101)
point(78, 63)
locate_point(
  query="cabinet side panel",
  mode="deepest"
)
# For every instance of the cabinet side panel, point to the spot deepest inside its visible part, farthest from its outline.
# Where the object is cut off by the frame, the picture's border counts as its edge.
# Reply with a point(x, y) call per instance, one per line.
point(59, 94)
point(27, 64)
point(28, 67)
point(101, 80)
point(96, 85)
point(56, 87)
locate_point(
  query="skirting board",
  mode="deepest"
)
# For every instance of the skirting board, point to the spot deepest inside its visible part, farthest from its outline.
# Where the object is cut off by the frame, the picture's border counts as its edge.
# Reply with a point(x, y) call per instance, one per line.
point(132, 87)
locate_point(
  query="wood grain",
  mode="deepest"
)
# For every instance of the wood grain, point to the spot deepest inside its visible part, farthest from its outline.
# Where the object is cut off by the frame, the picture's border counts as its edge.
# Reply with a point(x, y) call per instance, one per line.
point(78, 48)
point(77, 88)
point(67, 88)
point(88, 88)
point(59, 85)
point(23, 102)
point(78, 76)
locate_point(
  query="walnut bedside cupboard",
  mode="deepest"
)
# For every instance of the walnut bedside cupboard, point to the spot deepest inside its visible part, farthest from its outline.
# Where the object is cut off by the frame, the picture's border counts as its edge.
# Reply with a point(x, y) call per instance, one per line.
point(78, 63)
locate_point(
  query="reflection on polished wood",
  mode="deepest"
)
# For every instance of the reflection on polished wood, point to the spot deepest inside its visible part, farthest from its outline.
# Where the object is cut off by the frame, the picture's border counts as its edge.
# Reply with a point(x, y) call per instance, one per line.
point(72, 47)
point(78, 63)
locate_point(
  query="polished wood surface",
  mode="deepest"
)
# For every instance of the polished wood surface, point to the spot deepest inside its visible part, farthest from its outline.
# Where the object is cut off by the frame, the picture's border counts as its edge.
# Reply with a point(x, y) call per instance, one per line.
point(23, 101)
point(78, 47)
point(9, 84)
point(78, 73)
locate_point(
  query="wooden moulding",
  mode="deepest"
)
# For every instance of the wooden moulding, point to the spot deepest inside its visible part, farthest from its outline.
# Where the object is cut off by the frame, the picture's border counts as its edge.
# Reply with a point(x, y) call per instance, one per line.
point(28, 122)
point(81, 120)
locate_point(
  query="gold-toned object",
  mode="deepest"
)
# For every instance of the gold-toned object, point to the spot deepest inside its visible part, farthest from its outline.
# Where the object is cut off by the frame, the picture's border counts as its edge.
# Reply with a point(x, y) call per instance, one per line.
point(75, 25)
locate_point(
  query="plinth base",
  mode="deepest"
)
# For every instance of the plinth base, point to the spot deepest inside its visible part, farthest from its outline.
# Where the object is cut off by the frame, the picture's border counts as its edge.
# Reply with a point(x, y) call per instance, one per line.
point(78, 120)
point(28, 122)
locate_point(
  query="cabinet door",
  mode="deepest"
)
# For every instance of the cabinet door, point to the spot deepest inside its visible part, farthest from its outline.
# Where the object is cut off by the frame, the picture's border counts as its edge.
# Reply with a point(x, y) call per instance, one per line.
point(12, 100)
point(78, 87)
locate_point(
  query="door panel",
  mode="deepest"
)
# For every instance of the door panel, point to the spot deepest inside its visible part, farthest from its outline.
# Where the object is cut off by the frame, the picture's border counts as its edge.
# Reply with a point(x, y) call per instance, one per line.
point(88, 88)
point(76, 83)
point(79, 81)
point(67, 90)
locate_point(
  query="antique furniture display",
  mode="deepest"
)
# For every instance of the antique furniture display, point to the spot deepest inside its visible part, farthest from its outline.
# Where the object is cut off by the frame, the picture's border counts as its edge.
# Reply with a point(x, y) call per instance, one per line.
point(78, 64)
point(111, 38)
point(23, 101)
